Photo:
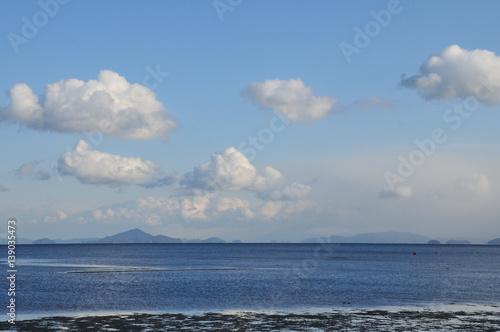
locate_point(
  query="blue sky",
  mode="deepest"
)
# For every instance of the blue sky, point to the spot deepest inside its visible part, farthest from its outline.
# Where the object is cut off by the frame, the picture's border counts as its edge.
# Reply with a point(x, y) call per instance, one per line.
point(227, 71)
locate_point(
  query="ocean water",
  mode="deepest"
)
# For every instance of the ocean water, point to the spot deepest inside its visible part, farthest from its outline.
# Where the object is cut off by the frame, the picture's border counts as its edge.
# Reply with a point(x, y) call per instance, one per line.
point(216, 277)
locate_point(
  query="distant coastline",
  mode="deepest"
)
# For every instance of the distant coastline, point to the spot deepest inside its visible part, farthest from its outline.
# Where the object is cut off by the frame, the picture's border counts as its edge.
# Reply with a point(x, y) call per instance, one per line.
point(137, 235)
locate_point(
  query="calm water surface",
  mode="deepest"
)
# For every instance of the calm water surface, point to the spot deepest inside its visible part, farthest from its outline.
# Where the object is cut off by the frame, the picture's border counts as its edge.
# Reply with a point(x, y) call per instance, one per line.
point(282, 276)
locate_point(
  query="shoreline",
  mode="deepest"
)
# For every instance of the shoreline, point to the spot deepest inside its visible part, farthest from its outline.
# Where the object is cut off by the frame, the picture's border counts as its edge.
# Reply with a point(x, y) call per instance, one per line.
point(434, 317)
point(446, 307)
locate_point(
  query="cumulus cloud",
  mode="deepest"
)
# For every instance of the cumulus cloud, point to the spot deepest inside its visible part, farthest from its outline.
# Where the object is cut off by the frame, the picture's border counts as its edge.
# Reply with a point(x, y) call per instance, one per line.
point(153, 219)
point(474, 183)
point(235, 204)
point(96, 167)
point(155, 210)
point(162, 204)
point(103, 214)
point(270, 209)
point(457, 72)
point(195, 208)
point(62, 215)
point(404, 192)
point(291, 98)
point(108, 105)
point(150, 210)
point(231, 170)
point(28, 170)
point(285, 209)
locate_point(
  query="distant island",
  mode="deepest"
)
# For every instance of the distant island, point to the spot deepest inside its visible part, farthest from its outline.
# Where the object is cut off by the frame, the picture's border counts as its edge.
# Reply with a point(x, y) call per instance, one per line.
point(384, 237)
point(137, 235)
point(390, 237)
point(209, 240)
point(495, 242)
point(44, 241)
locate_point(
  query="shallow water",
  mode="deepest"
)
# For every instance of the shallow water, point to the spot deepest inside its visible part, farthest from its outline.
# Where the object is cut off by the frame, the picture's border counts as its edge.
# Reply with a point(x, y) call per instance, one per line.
point(261, 277)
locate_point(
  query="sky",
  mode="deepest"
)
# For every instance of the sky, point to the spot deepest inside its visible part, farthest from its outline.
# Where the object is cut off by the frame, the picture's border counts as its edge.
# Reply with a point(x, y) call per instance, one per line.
point(251, 120)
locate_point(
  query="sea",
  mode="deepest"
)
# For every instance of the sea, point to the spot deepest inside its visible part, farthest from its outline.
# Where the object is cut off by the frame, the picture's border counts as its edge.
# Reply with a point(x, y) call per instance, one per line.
point(96, 278)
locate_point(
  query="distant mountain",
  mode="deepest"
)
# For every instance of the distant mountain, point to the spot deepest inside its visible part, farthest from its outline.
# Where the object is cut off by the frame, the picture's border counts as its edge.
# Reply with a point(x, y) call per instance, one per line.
point(77, 240)
point(137, 236)
point(434, 242)
point(213, 240)
point(131, 236)
point(384, 237)
point(209, 240)
point(457, 242)
point(44, 241)
point(494, 242)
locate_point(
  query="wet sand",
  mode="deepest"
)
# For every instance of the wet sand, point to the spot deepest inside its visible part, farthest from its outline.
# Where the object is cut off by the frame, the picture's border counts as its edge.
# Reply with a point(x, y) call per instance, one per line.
point(331, 320)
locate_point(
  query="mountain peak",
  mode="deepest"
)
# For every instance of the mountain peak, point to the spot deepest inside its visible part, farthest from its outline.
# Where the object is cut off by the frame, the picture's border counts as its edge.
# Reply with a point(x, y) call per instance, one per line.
point(137, 235)
point(134, 231)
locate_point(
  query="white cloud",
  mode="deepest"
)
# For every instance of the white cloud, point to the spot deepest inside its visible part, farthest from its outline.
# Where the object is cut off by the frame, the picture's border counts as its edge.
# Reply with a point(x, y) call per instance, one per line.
point(62, 215)
point(163, 204)
point(28, 170)
point(300, 206)
point(50, 219)
point(108, 105)
point(270, 209)
point(103, 215)
point(291, 98)
point(235, 204)
point(153, 219)
point(96, 167)
point(403, 191)
point(195, 208)
point(231, 170)
point(475, 183)
point(457, 72)
point(150, 210)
